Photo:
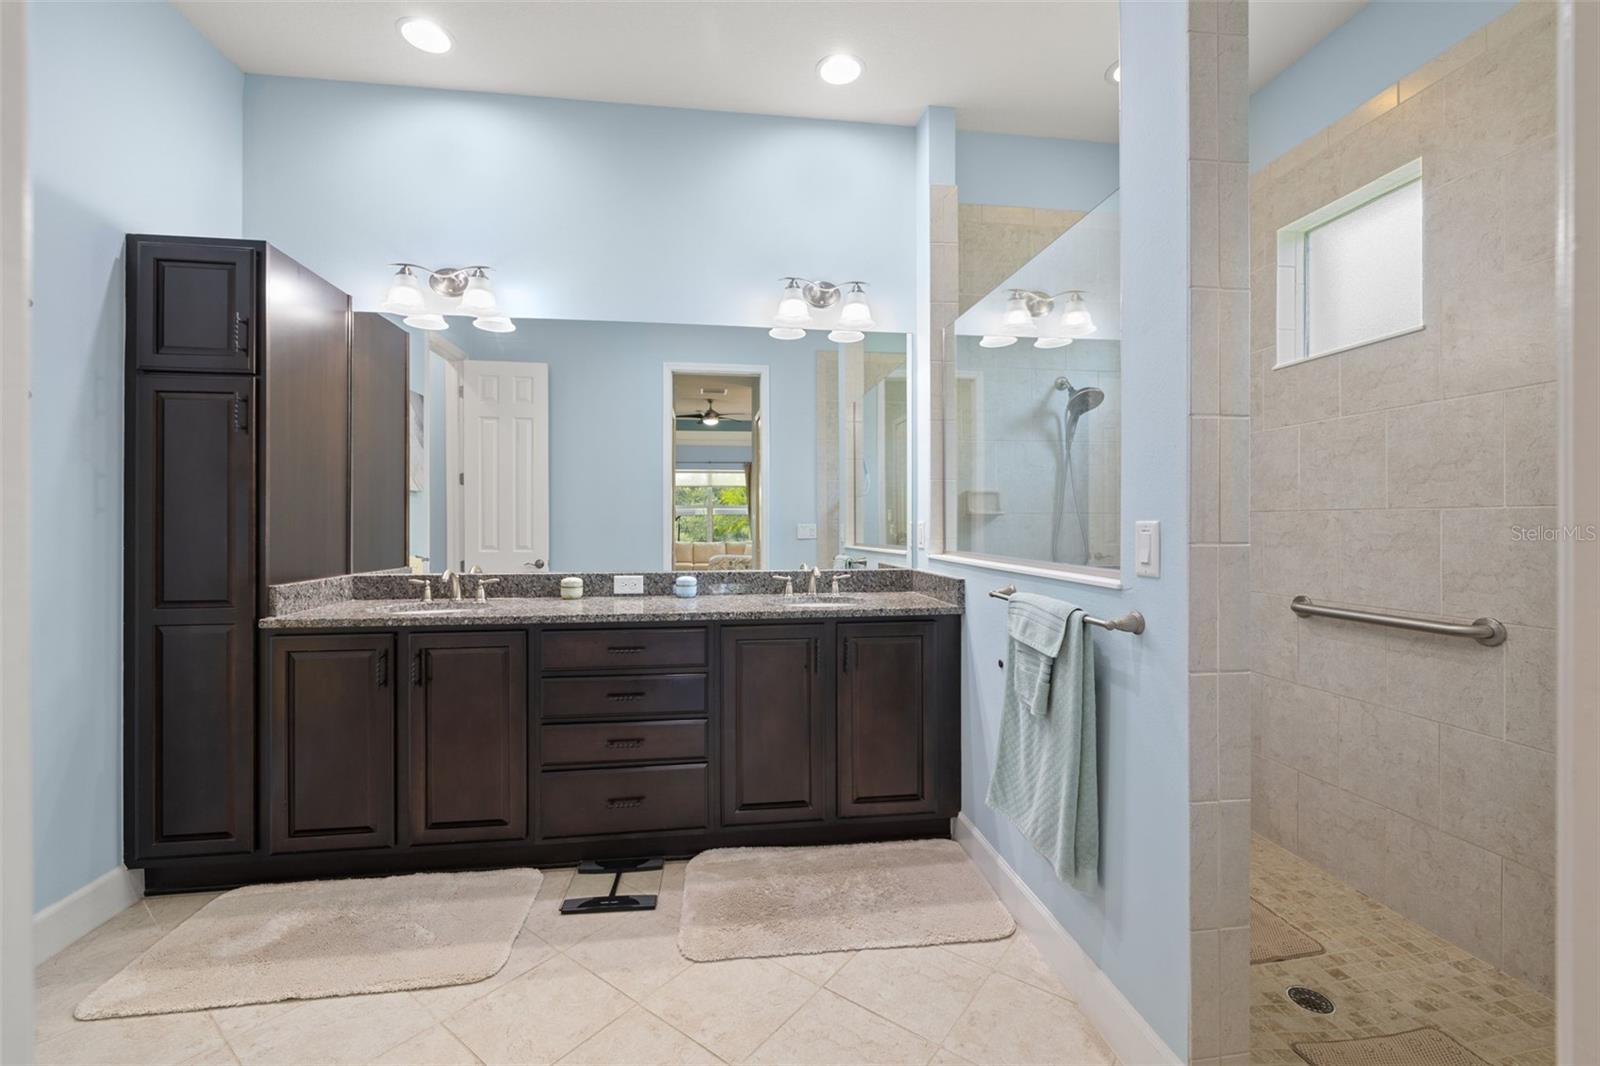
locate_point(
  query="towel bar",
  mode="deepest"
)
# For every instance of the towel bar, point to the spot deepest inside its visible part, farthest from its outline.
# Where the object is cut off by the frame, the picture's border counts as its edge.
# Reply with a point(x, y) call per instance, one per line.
point(1132, 622)
point(1487, 631)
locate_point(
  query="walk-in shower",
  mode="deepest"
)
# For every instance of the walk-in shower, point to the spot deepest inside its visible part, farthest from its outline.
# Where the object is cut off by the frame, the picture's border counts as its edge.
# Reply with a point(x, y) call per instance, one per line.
point(1068, 493)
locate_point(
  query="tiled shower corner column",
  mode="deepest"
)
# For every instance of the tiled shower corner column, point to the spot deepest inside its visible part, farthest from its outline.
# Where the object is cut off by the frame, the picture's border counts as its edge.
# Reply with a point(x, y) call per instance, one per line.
point(946, 252)
point(1219, 533)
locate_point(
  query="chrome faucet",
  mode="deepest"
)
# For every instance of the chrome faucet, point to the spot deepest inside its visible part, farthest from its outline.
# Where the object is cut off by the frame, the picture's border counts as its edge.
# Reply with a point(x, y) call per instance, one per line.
point(453, 581)
point(813, 572)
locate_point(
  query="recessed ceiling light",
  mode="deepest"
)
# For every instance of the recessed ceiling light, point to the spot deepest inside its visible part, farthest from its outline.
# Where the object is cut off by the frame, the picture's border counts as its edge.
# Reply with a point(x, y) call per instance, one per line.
point(425, 34)
point(839, 69)
point(1114, 73)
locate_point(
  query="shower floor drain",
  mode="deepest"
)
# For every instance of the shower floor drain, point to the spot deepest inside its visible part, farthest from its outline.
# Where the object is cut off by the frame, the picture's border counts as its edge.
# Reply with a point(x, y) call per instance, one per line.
point(1310, 999)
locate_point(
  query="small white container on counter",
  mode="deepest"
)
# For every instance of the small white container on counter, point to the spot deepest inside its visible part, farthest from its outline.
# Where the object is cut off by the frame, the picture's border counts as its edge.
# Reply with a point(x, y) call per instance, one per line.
point(686, 586)
point(572, 588)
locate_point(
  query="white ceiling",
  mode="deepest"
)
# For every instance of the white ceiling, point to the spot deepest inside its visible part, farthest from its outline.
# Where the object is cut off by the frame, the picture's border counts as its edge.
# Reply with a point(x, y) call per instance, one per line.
point(1007, 67)
point(691, 391)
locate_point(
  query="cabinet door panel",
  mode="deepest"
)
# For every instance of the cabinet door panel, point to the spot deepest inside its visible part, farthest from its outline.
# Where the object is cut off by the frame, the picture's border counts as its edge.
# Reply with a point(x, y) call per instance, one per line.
point(332, 747)
point(190, 616)
point(468, 726)
point(192, 306)
point(774, 744)
point(886, 736)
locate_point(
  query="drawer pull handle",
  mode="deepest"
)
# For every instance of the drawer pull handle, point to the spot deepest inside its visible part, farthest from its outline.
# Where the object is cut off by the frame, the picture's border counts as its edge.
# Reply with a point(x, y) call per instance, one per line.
point(620, 802)
point(624, 697)
point(625, 649)
point(625, 742)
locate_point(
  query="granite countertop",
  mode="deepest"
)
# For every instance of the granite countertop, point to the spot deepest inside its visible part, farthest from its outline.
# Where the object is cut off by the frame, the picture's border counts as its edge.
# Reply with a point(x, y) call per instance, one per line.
point(546, 610)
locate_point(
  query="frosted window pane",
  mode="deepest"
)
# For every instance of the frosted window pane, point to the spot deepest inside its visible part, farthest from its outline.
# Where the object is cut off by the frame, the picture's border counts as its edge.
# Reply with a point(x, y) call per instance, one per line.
point(1364, 273)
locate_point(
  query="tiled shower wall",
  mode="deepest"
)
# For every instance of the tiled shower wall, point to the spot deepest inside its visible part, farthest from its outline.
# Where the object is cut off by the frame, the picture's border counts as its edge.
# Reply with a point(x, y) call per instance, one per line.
point(1219, 533)
point(1414, 475)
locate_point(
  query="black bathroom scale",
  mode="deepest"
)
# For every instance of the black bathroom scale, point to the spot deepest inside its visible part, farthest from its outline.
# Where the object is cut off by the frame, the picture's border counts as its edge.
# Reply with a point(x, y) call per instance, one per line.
point(614, 901)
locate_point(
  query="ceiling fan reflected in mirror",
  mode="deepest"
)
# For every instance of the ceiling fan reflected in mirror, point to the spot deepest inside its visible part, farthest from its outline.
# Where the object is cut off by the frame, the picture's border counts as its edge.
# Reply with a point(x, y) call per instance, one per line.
point(709, 417)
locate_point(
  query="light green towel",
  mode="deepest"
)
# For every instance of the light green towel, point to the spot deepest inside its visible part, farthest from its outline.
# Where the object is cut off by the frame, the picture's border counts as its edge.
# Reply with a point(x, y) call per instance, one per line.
point(1046, 774)
point(1036, 625)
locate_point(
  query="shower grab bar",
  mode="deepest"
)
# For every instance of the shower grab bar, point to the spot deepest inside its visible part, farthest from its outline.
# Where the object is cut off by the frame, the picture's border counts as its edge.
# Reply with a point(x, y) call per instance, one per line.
point(1486, 631)
point(1132, 622)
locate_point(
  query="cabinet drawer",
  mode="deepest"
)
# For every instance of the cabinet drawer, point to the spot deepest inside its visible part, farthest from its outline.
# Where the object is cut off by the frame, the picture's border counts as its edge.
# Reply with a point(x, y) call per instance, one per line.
point(672, 695)
point(574, 803)
point(624, 649)
point(567, 745)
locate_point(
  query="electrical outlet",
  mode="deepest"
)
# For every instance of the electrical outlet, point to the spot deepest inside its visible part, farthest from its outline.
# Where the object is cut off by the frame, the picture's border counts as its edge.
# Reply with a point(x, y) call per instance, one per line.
point(627, 585)
point(805, 531)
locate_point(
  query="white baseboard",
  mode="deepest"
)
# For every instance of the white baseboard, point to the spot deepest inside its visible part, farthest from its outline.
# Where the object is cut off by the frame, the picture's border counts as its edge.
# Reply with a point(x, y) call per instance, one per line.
point(91, 906)
point(1123, 1027)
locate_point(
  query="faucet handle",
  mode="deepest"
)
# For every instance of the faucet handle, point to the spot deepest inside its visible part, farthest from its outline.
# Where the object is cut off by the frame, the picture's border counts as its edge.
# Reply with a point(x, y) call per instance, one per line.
point(838, 578)
point(483, 583)
point(788, 584)
point(427, 588)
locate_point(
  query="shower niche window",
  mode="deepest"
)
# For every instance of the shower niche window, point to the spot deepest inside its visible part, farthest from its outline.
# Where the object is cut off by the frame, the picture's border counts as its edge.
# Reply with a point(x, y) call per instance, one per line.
point(1034, 394)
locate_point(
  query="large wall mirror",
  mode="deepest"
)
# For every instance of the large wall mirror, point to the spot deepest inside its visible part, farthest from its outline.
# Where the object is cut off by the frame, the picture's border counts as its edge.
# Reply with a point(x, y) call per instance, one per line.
point(581, 446)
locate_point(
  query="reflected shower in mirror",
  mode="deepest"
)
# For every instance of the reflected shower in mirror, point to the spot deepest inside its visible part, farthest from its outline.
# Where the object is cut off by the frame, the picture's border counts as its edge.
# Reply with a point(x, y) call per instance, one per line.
point(1037, 401)
point(579, 446)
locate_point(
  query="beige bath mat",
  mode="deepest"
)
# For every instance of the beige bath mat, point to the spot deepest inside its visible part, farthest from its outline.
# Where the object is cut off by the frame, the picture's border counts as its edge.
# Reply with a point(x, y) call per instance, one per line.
point(741, 903)
point(1274, 940)
point(312, 939)
point(1415, 1047)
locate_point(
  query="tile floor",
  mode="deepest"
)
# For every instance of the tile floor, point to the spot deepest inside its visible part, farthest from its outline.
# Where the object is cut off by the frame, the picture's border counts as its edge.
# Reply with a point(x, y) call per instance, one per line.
point(1384, 973)
point(602, 989)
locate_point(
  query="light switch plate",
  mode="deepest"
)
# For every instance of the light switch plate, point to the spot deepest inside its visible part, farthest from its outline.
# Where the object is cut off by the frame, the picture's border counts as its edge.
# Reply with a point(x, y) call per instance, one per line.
point(805, 531)
point(627, 585)
point(1147, 549)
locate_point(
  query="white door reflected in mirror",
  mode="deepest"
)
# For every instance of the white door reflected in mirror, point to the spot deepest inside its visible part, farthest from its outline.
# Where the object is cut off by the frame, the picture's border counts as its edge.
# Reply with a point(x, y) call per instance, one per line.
point(507, 466)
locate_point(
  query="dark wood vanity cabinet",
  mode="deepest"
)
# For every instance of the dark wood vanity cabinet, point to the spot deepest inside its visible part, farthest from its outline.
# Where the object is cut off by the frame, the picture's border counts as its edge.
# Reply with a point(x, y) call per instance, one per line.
point(192, 305)
point(887, 725)
point(467, 737)
point(331, 743)
point(774, 726)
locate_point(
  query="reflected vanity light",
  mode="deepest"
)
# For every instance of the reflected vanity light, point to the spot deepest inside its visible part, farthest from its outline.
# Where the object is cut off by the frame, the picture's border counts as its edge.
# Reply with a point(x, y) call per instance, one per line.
point(1052, 342)
point(1076, 319)
point(993, 341)
point(802, 298)
point(1016, 316)
point(469, 285)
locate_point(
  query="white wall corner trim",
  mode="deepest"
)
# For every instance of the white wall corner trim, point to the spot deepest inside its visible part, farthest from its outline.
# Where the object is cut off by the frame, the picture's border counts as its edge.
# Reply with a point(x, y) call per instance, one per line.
point(1123, 1027)
point(85, 910)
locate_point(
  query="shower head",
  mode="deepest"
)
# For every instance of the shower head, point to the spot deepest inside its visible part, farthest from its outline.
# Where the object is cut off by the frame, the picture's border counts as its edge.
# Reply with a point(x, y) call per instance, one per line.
point(1081, 400)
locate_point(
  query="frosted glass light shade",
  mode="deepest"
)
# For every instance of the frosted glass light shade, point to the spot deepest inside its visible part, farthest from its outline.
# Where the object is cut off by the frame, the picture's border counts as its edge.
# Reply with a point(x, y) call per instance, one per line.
point(792, 307)
point(991, 341)
point(427, 322)
point(1363, 273)
point(846, 336)
point(405, 294)
point(1016, 316)
point(1076, 319)
point(478, 299)
point(786, 333)
point(855, 314)
point(1052, 342)
point(495, 324)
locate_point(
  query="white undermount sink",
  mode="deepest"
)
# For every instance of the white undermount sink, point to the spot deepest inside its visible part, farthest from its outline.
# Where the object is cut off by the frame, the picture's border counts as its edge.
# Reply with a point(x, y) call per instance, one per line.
point(820, 599)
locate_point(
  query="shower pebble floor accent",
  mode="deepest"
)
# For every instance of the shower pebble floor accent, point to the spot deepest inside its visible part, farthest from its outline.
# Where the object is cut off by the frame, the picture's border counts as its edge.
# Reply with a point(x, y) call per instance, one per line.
point(601, 989)
point(1384, 973)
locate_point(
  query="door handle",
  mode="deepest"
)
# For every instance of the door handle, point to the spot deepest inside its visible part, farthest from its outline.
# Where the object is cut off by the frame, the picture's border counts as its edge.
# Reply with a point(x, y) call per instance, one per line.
point(241, 414)
point(241, 332)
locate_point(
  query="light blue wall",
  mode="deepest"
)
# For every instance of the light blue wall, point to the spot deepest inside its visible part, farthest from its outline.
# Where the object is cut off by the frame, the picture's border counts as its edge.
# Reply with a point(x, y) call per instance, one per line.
point(134, 125)
point(1379, 45)
point(1003, 168)
point(591, 211)
point(607, 403)
point(1135, 926)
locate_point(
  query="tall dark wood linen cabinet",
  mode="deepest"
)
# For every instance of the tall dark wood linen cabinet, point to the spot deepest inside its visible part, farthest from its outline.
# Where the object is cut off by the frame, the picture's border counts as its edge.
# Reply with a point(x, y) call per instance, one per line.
point(240, 402)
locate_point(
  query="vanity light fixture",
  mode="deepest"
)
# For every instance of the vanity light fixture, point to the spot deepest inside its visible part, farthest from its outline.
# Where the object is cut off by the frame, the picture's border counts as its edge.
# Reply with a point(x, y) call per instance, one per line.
point(993, 341)
point(839, 68)
point(469, 284)
point(425, 35)
point(802, 298)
